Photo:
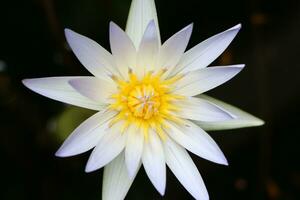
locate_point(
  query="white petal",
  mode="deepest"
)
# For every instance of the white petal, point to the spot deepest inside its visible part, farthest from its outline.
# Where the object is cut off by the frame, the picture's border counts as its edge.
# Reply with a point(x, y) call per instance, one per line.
point(96, 89)
point(109, 146)
point(183, 167)
point(59, 89)
point(148, 50)
point(91, 55)
point(140, 14)
point(133, 150)
point(197, 141)
point(206, 52)
point(116, 181)
point(154, 162)
point(86, 136)
point(202, 80)
point(201, 110)
point(122, 49)
point(241, 120)
point(172, 50)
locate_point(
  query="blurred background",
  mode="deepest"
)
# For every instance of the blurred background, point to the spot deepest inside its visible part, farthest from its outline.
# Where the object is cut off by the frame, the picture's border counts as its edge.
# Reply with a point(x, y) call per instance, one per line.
point(264, 161)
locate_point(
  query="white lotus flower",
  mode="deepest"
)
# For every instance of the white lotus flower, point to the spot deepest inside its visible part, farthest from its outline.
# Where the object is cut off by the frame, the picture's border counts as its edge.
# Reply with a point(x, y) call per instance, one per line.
point(144, 93)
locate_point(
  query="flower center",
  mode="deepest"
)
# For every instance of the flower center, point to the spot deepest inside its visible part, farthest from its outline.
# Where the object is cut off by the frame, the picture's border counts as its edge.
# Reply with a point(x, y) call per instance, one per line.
point(143, 101)
point(146, 103)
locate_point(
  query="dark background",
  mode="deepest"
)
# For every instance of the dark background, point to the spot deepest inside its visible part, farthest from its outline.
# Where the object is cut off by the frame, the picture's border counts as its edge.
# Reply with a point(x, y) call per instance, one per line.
point(264, 161)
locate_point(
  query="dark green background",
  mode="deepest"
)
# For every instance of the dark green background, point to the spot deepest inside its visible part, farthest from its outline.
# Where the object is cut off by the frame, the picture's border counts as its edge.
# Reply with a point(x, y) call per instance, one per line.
point(264, 161)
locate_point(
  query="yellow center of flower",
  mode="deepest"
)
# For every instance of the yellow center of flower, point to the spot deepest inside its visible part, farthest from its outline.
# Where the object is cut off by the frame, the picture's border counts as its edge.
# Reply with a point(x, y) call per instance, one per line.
point(143, 101)
point(146, 103)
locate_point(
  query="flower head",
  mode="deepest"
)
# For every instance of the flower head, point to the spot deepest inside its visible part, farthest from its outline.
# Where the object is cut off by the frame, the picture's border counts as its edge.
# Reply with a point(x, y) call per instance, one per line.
point(144, 92)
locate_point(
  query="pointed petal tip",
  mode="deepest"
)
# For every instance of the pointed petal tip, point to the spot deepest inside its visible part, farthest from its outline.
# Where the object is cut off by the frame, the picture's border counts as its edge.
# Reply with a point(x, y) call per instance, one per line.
point(236, 27)
point(66, 30)
point(258, 122)
point(225, 162)
point(151, 25)
point(59, 153)
point(254, 121)
point(30, 83)
point(162, 192)
point(73, 82)
point(202, 196)
point(71, 38)
point(206, 197)
point(161, 188)
point(86, 170)
point(26, 82)
point(113, 25)
point(89, 168)
point(240, 65)
point(69, 33)
point(222, 160)
point(189, 28)
point(63, 153)
point(152, 21)
point(92, 165)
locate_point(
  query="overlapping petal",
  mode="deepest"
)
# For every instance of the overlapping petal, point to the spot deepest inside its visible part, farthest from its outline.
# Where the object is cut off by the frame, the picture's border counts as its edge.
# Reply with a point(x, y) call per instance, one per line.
point(109, 147)
point(202, 80)
point(242, 119)
point(122, 49)
point(140, 14)
point(172, 50)
point(148, 50)
point(116, 181)
point(183, 167)
point(58, 88)
point(92, 56)
point(202, 110)
point(87, 135)
point(154, 162)
point(207, 51)
point(96, 89)
point(197, 141)
point(133, 150)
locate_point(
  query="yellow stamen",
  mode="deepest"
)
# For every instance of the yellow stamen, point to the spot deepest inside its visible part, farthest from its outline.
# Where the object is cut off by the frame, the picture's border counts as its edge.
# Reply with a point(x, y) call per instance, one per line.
point(145, 103)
